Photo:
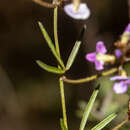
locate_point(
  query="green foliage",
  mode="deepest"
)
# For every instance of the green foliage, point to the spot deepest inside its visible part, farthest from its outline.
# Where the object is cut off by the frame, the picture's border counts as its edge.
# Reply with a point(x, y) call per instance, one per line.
point(88, 109)
point(50, 44)
point(103, 123)
point(127, 68)
point(49, 68)
point(75, 49)
point(73, 54)
point(62, 125)
point(60, 69)
point(55, 30)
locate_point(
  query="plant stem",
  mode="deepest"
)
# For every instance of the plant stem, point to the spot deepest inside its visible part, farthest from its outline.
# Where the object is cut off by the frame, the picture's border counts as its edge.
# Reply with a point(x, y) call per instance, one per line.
point(83, 80)
point(55, 30)
point(120, 125)
point(63, 102)
point(45, 4)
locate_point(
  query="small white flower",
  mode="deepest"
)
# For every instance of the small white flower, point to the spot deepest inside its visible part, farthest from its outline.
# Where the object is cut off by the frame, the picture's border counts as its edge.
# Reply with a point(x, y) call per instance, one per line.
point(83, 11)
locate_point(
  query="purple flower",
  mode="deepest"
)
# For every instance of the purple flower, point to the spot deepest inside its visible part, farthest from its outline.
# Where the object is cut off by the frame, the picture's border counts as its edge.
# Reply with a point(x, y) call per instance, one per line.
point(121, 86)
point(83, 11)
point(125, 36)
point(93, 57)
point(128, 28)
point(118, 53)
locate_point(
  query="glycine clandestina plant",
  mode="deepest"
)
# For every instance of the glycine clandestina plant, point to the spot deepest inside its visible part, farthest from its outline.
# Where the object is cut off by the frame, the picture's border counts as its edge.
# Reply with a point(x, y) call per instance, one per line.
point(100, 58)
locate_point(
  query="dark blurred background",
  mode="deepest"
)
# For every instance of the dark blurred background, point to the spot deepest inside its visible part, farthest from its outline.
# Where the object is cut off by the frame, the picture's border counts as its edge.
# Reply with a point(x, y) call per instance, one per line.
point(29, 96)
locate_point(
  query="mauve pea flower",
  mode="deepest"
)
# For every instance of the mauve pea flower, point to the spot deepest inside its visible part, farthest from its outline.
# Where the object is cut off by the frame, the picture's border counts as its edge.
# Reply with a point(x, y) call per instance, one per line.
point(121, 86)
point(82, 12)
point(118, 53)
point(100, 57)
point(127, 29)
point(92, 57)
point(126, 35)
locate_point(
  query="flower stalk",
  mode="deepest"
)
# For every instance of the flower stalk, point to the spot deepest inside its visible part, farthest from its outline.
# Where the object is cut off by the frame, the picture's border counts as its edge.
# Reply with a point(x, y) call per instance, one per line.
point(45, 4)
point(76, 5)
point(88, 79)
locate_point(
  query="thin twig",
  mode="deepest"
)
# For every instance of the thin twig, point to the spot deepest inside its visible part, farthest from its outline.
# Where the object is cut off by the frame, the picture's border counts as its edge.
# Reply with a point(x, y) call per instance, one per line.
point(63, 102)
point(120, 125)
point(83, 80)
point(45, 4)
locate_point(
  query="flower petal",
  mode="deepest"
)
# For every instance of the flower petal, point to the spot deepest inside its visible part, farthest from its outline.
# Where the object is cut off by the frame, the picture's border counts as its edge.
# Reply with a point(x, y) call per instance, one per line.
point(91, 57)
point(118, 53)
point(128, 28)
point(82, 13)
point(99, 65)
point(127, 81)
point(118, 78)
point(100, 47)
point(120, 87)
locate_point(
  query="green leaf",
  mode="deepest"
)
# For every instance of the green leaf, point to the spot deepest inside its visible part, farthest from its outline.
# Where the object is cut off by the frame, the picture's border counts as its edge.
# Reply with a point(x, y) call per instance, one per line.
point(55, 30)
point(75, 49)
point(88, 108)
point(82, 33)
point(62, 125)
point(49, 68)
point(103, 123)
point(50, 44)
point(73, 54)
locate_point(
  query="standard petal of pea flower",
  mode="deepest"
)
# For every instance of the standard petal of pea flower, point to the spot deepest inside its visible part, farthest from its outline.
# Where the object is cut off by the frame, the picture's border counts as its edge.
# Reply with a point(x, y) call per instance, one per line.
point(101, 48)
point(83, 11)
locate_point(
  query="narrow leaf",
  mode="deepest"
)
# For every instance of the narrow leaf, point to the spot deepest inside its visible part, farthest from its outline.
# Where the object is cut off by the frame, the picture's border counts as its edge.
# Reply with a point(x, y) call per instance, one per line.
point(75, 49)
point(103, 123)
point(62, 125)
point(73, 54)
point(82, 33)
point(50, 44)
point(49, 68)
point(88, 108)
point(56, 30)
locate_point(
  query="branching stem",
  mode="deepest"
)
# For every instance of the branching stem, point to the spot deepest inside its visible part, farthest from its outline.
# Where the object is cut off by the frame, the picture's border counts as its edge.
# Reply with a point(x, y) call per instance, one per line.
point(83, 80)
point(45, 4)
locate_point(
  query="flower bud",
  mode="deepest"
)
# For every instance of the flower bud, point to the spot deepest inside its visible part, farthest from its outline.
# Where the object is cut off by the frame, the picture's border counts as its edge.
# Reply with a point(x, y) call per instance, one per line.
point(126, 35)
point(122, 73)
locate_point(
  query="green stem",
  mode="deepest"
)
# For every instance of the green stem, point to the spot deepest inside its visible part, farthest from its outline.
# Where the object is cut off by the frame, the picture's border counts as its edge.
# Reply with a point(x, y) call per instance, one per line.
point(45, 4)
point(120, 125)
point(55, 30)
point(63, 102)
point(83, 80)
